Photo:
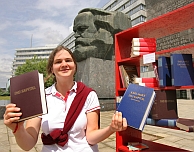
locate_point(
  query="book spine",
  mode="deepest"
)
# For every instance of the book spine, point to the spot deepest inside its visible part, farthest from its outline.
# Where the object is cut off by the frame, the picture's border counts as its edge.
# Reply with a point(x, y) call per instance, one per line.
point(139, 53)
point(143, 49)
point(118, 100)
point(172, 69)
point(121, 70)
point(143, 44)
point(164, 71)
point(148, 84)
point(145, 80)
point(161, 122)
point(144, 40)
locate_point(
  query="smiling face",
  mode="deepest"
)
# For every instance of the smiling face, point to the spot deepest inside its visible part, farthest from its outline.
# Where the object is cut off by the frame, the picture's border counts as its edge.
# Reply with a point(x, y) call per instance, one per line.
point(63, 65)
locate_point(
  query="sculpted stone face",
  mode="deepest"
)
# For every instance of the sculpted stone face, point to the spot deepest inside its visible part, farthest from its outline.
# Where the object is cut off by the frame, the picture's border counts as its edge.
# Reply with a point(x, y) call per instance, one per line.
point(84, 29)
point(94, 34)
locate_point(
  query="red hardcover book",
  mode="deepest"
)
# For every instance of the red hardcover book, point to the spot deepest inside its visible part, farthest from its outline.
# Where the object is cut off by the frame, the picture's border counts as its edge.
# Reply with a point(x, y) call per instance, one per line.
point(134, 54)
point(142, 44)
point(165, 105)
point(149, 84)
point(185, 124)
point(143, 49)
point(27, 92)
point(144, 40)
point(145, 80)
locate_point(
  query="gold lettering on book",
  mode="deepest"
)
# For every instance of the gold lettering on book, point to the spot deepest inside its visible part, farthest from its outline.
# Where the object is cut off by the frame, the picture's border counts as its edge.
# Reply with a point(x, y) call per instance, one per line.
point(165, 101)
point(137, 96)
point(183, 64)
point(25, 90)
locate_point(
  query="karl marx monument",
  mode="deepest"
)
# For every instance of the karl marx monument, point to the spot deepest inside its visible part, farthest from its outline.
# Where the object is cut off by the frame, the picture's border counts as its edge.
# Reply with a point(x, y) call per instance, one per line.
point(94, 32)
point(94, 48)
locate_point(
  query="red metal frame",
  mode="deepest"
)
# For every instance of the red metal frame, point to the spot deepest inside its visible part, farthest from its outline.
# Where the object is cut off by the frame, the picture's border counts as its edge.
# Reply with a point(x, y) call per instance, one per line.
point(169, 23)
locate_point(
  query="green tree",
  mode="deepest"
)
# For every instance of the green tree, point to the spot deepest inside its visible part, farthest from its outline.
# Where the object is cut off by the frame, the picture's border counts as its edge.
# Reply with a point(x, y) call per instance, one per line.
point(35, 64)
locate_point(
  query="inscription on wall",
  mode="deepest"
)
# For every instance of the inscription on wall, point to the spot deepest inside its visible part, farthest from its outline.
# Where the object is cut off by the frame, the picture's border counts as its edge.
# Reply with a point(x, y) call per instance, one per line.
point(158, 7)
point(175, 40)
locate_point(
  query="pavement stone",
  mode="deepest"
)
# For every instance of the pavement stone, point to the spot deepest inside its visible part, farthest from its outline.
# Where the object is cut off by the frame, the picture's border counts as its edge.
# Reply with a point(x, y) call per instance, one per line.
point(167, 136)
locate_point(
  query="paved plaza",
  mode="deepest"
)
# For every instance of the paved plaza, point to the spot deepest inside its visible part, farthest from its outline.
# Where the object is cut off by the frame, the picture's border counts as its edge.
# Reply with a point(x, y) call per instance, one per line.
point(172, 137)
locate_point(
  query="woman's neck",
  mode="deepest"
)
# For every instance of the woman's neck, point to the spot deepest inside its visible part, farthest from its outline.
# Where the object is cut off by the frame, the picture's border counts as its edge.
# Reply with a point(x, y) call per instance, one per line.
point(64, 86)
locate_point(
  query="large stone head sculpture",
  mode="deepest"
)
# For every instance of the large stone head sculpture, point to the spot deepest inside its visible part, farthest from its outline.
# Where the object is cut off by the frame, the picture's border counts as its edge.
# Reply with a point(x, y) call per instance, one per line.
point(94, 32)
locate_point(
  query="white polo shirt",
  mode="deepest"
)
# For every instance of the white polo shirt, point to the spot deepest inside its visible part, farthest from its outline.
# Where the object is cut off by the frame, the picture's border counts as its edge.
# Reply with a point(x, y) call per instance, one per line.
point(57, 112)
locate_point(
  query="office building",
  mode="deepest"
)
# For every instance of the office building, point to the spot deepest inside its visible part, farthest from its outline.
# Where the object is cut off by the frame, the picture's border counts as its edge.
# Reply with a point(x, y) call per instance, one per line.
point(24, 54)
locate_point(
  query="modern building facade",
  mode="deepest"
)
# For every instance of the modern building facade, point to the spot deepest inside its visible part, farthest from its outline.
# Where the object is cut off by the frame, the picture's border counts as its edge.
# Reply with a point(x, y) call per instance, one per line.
point(24, 54)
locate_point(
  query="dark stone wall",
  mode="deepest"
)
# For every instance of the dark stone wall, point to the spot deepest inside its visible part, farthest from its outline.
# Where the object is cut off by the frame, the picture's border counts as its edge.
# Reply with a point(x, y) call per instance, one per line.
point(98, 74)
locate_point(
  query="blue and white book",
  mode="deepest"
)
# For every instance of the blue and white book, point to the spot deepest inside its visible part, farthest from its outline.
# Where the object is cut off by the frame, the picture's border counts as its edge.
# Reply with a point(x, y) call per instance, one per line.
point(136, 104)
point(164, 71)
point(161, 122)
point(182, 69)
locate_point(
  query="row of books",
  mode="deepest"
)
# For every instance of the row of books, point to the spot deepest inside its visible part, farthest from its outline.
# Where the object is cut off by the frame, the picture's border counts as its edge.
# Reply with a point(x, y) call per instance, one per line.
point(142, 46)
point(129, 75)
point(182, 123)
point(174, 69)
point(162, 111)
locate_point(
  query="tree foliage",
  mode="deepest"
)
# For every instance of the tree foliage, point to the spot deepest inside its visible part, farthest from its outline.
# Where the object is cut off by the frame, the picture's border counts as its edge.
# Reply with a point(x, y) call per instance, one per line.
point(35, 64)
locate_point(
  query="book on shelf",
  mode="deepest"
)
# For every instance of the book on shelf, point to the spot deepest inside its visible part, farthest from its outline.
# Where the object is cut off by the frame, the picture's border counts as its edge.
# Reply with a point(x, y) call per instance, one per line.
point(182, 69)
point(134, 54)
point(145, 80)
point(127, 73)
point(164, 71)
point(165, 105)
point(28, 93)
point(137, 146)
point(143, 40)
point(185, 124)
point(143, 44)
point(153, 84)
point(142, 49)
point(161, 122)
point(136, 104)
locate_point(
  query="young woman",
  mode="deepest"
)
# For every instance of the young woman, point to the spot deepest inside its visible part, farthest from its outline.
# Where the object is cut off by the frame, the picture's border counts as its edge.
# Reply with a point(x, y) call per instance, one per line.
point(71, 124)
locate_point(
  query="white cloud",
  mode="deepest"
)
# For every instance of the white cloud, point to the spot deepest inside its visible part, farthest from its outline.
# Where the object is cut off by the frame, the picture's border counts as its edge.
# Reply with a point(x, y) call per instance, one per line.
point(5, 25)
point(46, 31)
point(45, 21)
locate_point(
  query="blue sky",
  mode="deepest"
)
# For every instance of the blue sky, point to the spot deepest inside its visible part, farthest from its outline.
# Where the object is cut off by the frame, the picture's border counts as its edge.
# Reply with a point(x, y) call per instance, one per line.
point(45, 21)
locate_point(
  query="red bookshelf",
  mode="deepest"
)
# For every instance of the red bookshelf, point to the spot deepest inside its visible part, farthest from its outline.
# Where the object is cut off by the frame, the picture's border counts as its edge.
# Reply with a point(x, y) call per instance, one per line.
point(164, 25)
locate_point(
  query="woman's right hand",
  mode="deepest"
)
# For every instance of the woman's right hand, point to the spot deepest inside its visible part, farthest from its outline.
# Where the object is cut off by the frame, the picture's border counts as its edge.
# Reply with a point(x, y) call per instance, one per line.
point(11, 115)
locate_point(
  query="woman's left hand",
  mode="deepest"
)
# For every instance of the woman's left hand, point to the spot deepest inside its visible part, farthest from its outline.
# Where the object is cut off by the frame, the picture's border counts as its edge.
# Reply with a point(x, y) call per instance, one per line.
point(118, 122)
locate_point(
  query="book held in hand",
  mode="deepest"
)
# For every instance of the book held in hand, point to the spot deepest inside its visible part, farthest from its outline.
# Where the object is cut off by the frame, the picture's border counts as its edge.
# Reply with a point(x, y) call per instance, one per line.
point(136, 104)
point(185, 124)
point(28, 93)
point(182, 69)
